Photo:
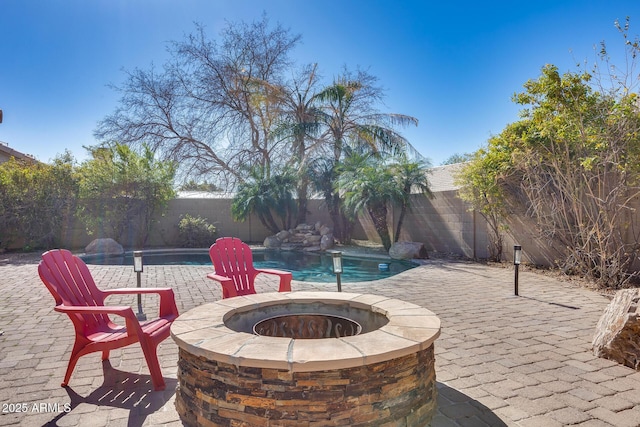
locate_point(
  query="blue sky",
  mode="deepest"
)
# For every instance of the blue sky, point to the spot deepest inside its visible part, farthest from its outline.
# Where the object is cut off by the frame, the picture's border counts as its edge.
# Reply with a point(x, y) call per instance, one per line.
point(453, 65)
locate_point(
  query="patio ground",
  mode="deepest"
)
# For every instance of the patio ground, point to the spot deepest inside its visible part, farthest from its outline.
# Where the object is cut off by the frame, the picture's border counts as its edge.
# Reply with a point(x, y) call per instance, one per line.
point(500, 360)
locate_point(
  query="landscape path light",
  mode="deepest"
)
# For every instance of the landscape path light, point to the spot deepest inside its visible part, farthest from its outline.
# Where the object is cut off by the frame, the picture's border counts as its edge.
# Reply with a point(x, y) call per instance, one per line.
point(336, 257)
point(517, 258)
point(139, 268)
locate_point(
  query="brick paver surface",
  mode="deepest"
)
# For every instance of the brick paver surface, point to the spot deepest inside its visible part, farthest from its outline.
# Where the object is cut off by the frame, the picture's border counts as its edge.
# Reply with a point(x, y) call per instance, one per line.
point(500, 360)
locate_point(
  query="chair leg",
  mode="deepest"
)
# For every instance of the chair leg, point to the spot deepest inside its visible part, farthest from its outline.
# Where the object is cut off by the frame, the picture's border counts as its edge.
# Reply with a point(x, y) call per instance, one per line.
point(75, 355)
point(149, 348)
point(105, 354)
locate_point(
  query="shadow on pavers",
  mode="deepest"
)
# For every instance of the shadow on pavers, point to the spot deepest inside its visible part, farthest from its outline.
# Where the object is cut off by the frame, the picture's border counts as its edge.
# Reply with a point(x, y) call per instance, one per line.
point(458, 409)
point(124, 390)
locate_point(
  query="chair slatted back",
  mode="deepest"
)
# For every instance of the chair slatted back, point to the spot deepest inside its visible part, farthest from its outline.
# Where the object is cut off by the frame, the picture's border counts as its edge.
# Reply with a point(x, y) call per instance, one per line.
point(233, 258)
point(71, 284)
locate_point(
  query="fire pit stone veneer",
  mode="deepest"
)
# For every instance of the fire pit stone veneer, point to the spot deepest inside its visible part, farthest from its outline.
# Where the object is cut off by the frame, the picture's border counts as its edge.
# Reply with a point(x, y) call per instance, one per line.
point(383, 376)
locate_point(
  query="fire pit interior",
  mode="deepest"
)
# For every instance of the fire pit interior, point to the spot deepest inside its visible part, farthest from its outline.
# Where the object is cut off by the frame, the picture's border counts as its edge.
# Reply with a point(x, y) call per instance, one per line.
point(306, 320)
point(306, 358)
point(307, 326)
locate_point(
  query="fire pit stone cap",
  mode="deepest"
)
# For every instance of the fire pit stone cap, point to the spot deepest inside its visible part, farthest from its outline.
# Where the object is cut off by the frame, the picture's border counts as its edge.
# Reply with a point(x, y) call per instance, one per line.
point(202, 331)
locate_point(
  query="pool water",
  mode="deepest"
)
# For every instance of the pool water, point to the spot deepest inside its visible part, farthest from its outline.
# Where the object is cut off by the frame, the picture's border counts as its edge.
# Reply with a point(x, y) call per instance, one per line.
point(309, 267)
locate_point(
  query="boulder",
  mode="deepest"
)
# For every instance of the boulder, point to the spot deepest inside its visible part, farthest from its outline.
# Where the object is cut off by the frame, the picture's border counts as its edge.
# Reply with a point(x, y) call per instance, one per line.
point(617, 335)
point(290, 247)
point(305, 228)
point(408, 250)
point(104, 246)
point(314, 237)
point(312, 240)
point(272, 242)
point(283, 235)
point(324, 230)
point(326, 242)
point(297, 238)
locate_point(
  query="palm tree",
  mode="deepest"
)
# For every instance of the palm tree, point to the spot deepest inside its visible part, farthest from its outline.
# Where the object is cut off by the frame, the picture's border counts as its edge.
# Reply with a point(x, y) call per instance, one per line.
point(350, 120)
point(266, 197)
point(299, 123)
point(281, 187)
point(411, 176)
point(367, 184)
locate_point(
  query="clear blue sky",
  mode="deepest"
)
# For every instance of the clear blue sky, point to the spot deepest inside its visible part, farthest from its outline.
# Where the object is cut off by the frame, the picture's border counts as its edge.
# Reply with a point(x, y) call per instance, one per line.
point(452, 65)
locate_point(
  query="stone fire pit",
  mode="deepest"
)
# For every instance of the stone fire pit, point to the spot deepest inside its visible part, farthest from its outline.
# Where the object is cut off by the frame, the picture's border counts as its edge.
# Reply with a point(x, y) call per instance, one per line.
point(281, 359)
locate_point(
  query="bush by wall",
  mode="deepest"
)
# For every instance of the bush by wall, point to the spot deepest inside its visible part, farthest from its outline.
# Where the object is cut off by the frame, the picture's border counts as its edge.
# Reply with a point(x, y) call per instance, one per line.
point(195, 232)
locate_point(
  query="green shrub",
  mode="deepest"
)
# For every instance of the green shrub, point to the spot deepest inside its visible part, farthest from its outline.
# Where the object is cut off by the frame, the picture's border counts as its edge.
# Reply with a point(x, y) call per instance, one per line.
point(37, 202)
point(196, 232)
point(122, 191)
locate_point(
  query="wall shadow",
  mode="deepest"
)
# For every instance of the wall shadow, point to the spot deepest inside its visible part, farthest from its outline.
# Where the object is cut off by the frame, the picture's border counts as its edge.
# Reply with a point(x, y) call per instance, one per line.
point(124, 390)
point(460, 409)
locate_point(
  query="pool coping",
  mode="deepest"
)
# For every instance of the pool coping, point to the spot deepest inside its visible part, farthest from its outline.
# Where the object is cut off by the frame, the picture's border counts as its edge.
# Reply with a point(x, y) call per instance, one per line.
point(352, 253)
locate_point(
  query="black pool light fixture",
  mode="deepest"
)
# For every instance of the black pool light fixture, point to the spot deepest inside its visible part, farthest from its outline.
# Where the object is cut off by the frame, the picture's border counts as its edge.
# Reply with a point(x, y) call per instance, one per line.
point(517, 258)
point(139, 268)
point(336, 257)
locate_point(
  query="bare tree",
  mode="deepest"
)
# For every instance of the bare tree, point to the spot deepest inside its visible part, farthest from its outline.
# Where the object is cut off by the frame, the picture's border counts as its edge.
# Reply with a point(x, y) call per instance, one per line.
point(213, 106)
point(223, 110)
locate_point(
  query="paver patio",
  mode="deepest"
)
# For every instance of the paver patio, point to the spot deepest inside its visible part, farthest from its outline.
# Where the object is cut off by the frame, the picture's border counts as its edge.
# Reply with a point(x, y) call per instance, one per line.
point(500, 360)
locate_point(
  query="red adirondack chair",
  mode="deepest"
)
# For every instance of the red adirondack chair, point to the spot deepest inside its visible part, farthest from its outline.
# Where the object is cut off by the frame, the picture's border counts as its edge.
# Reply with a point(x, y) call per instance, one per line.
point(71, 284)
point(233, 263)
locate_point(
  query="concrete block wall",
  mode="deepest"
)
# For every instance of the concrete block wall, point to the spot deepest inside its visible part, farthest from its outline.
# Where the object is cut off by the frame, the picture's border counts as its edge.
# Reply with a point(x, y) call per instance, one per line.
point(217, 211)
point(443, 224)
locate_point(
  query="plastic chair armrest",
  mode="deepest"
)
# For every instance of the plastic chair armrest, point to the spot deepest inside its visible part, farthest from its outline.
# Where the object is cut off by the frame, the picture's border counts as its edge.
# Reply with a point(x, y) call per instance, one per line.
point(168, 308)
point(120, 291)
point(228, 288)
point(120, 310)
point(132, 323)
point(285, 278)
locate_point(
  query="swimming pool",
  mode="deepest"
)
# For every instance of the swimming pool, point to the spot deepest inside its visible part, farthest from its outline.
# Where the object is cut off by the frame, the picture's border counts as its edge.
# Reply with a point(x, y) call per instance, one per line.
point(309, 267)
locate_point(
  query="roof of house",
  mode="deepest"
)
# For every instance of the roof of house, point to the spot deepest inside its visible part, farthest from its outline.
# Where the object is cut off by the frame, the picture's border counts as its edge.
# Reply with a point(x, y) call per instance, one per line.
point(441, 178)
point(205, 195)
point(7, 152)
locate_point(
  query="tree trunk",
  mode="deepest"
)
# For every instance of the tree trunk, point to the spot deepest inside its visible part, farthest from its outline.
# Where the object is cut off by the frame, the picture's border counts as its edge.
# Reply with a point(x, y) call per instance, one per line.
point(403, 211)
point(267, 220)
point(347, 229)
point(301, 217)
point(333, 206)
point(378, 215)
